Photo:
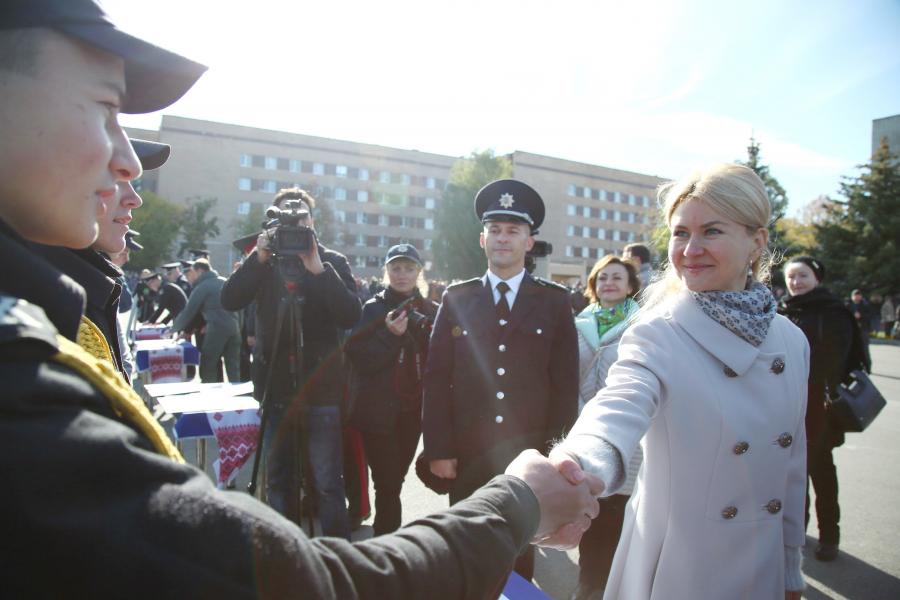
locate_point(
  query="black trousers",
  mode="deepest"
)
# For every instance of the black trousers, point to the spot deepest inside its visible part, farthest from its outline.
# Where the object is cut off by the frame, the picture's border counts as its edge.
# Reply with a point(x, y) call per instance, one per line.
point(598, 544)
point(822, 472)
point(389, 456)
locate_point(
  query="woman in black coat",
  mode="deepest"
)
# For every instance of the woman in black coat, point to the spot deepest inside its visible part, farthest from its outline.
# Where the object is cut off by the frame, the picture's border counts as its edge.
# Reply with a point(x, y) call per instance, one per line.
point(836, 349)
point(387, 351)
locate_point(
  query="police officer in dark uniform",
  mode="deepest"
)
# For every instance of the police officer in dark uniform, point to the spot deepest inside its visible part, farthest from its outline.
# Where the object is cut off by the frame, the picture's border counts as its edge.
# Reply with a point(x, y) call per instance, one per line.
point(170, 300)
point(173, 274)
point(100, 503)
point(502, 369)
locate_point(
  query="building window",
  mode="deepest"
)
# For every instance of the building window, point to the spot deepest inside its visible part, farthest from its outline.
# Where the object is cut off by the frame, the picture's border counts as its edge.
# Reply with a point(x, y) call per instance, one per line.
point(363, 174)
point(604, 214)
point(244, 184)
point(340, 170)
point(360, 239)
point(586, 192)
point(384, 176)
point(271, 163)
point(429, 223)
point(294, 166)
point(585, 252)
point(246, 160)
point(570, 210)
point(617, 197)
point(318, 169)
point(429, 203)
point(603, 195)
point(586, 212)
point(340, 216)
point(569, 251)
point(362, 196)
point(646, 201)
point(617, 216)
point(429, 183)
point(616, 235)
point(631, 216)
point(632, 200)
point(405, 179)
point(601, 234)
point(269, 186)
point(243, 208)
point(570, 231)
point(570, 190)
point(340, 193)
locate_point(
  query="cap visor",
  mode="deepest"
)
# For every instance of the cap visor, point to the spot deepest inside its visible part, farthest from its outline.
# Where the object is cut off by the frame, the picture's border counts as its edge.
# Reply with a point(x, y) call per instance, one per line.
point(153, 155)
point(154, 77)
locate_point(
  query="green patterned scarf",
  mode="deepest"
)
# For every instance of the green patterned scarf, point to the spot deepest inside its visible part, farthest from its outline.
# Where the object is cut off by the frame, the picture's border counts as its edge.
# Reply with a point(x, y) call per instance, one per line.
point(607, 318)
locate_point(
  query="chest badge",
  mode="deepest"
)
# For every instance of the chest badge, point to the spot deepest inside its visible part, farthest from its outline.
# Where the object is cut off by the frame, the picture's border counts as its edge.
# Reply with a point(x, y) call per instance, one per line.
point(456, 331)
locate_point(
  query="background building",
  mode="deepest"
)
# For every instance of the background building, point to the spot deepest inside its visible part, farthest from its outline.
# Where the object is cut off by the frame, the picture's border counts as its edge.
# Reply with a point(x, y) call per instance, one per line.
point(374, 197)
point(888, 127)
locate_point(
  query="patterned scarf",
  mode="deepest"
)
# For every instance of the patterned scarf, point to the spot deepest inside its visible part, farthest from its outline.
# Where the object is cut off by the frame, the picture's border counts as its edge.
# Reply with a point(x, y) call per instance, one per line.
point(607, 318)
point(747, 313)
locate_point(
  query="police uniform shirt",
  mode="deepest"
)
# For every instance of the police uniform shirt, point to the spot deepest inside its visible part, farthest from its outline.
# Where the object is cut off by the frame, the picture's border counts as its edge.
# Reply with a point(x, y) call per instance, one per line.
point(513, 283)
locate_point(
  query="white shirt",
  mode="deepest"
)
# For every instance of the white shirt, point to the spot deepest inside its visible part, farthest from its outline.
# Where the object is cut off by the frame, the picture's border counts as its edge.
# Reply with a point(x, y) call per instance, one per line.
point(513, 282)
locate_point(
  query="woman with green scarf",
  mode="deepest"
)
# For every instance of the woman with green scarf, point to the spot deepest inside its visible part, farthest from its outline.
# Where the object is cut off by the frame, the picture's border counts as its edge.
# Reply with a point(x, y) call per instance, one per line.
point(611, 288)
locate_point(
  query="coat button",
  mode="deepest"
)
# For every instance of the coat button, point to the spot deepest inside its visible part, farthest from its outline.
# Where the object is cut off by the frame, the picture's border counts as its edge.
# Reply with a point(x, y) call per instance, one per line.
point(773, 506)
point(777, 366)
point(729, 372)
point(785, 440)
point(501, 371)
point(540, 331)
point(741, 448)
point(465, 332)
point(498, 419)
point(502, 347)
point(500, 395)
point(729, 512)
point(502, 322)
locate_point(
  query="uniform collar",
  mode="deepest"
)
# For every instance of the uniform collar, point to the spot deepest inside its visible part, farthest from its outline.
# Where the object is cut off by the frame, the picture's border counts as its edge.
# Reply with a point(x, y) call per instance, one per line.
point(513, 282)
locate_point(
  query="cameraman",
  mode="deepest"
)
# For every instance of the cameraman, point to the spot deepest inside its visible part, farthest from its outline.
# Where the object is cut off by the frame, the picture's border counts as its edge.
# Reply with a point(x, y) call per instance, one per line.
point(308, 408)
point(388, 351)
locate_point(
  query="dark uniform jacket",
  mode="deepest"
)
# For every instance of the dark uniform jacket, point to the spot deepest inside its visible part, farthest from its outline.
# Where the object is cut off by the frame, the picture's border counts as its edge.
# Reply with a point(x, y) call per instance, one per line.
point(492, 391)
point(93, 511)
point(100, 280)
point(329, 306)
point(184, 284)
point(172, 299)
point(384, 388)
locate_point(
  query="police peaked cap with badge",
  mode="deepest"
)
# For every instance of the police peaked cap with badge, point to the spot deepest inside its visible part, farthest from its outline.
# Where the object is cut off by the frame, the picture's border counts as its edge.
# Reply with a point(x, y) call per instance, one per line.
point(152, 155)
point(407, 251)
point(154, 77)
point(509, 200)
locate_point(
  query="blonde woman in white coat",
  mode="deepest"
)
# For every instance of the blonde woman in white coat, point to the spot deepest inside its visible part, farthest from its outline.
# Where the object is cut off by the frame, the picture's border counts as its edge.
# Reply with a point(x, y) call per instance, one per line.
point(717, 382)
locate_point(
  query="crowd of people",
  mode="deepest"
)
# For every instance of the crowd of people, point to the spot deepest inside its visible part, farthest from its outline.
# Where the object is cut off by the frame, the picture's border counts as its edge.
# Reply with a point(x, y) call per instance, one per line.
point(666, 423)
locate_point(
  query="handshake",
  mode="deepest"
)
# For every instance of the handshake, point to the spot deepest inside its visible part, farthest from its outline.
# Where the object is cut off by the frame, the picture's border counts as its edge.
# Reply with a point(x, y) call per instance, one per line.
point(566, 494)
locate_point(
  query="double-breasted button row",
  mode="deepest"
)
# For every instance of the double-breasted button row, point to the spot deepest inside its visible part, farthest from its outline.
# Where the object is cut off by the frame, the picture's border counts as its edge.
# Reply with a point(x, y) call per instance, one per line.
point(729, 512)
point(773, 506)
point(741, 448)
point(498, 419)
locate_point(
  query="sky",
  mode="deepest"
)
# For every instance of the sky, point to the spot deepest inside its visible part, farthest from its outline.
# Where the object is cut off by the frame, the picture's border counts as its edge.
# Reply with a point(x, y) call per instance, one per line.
point(652, 87)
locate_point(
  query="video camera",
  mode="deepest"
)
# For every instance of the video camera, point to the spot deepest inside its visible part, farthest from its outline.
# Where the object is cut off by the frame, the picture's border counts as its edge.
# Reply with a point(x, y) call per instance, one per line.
point(289, 236)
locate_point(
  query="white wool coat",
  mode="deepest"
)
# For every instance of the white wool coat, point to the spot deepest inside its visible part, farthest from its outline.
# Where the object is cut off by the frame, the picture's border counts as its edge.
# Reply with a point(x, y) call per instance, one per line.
point(723, 485)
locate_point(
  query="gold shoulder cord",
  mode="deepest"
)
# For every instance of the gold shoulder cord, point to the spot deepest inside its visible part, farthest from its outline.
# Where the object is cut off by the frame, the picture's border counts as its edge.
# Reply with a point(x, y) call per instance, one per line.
point(92, 340)
point(125, 402)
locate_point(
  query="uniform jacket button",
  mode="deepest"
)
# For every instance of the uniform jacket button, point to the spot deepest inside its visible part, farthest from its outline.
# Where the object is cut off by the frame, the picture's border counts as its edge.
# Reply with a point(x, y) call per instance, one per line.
point(502, 347)
point(498, 419)
point(502, 322)
point(729, 512)
point(500, 395)
point(773, 506)
point(741, 448)
point(540, 331)
point(729, 372)
point(777, 366)
point(785, 440)
point(501, 371)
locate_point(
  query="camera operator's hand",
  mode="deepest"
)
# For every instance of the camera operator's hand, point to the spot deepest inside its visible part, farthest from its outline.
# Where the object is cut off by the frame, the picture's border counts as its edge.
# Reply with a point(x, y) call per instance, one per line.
point(262, 247)
point(311, 259)
point(445, 468)
point(397, 326)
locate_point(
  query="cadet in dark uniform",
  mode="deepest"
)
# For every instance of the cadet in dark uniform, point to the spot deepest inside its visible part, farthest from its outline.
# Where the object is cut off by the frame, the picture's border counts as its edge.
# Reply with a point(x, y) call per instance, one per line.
point(100, 503)
point(174, 275)
point(502, 369)
point(171, 300)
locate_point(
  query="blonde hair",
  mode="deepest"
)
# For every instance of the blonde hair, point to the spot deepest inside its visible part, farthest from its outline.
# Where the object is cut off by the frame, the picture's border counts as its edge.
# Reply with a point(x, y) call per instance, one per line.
point(421, 284)
point(733, 190)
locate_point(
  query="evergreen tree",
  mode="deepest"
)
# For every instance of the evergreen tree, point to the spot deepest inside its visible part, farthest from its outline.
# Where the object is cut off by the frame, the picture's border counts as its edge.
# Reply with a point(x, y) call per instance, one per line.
point(457, 254)
point(859, 240)
point(197, 225)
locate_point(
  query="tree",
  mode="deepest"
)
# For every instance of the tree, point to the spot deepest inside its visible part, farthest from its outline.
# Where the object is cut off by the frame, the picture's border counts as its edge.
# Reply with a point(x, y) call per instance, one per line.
point(249, 223)
point(777, 196)
point(456, 251)
point(196, 225)
point(326, 226)
point(158, 222)
point(858, 242)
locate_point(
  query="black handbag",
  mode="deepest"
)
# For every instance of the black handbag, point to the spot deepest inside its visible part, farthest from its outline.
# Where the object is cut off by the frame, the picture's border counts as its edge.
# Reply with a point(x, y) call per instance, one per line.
point(856, 405)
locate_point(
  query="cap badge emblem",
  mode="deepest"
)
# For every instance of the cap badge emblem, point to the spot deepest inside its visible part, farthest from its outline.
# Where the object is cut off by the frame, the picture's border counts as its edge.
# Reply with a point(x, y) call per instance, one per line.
point(402, 248)
point(506, 200)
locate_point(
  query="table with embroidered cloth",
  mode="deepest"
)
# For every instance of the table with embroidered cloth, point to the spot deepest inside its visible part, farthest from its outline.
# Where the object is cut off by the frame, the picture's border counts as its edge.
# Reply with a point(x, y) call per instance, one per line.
point(164, 361)
point(221, 410)
point(151, 332)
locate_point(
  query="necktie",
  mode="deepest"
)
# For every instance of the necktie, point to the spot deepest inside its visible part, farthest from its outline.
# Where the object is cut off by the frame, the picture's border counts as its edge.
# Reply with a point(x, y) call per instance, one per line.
point(502, 304)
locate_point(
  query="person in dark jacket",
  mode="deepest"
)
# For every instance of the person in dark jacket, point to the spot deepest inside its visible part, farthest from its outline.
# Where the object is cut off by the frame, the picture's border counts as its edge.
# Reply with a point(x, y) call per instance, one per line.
point(170, 300)
point(836, 349)
point(502, 369)
point(303, 404)
point(388, 350)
